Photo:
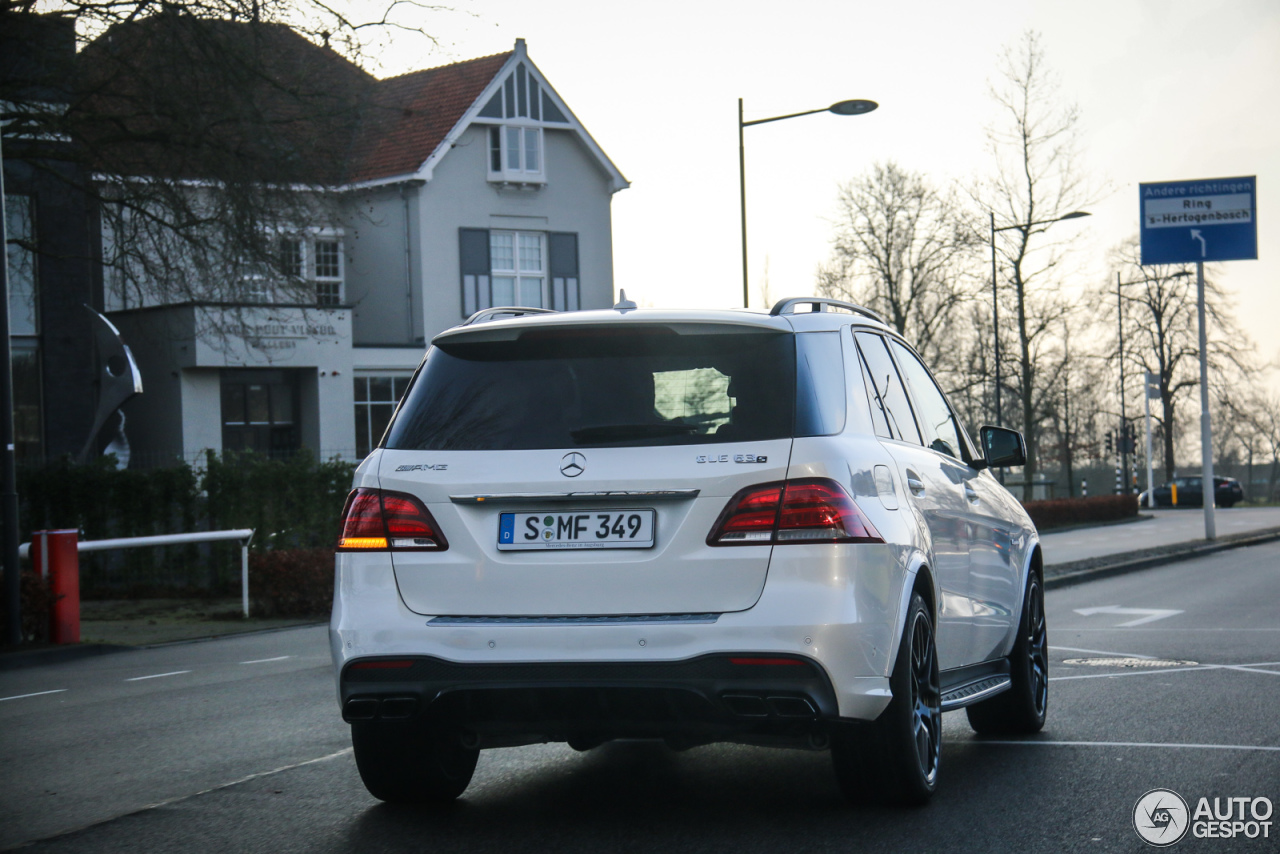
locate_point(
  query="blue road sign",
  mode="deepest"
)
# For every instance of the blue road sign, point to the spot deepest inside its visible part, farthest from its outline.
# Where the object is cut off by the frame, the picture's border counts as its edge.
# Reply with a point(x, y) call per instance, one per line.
point(1211, 220)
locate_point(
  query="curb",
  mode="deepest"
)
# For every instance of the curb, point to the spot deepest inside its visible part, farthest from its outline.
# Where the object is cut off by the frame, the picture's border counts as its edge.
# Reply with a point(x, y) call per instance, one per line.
point(22, 658)
point(1078, 572)
point(19, 659)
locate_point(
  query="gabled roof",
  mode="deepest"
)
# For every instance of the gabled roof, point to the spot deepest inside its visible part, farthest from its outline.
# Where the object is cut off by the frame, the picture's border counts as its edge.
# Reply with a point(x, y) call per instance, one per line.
point(415, 118)
point(410, 116)
point(178, 96)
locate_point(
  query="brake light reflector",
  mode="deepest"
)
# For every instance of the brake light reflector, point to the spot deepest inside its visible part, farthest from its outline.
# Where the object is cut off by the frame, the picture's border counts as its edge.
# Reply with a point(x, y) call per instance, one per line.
point(815, 510)
point(377, 519)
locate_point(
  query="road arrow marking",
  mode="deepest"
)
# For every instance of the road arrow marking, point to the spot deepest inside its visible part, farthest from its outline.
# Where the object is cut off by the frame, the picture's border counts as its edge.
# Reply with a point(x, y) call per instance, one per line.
point(1150, 614)
point(1204, 246)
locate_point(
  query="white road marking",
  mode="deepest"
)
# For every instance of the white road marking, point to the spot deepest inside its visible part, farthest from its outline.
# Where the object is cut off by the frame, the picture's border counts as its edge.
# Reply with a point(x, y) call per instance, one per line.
point(1150, 614)
point(1029, 743)
point(1251, 668)
point(1246, 667)
point(157, 675)
point(265, 660)
point(36, 694)
point(1101, 652)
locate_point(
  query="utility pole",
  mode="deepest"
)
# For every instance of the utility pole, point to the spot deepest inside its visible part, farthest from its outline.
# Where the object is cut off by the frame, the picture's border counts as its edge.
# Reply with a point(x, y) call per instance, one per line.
point(1124, 421)
point(8, 479)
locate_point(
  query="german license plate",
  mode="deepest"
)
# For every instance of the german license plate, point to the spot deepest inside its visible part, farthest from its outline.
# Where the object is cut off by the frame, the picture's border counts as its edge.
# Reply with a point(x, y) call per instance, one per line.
point(576, 529)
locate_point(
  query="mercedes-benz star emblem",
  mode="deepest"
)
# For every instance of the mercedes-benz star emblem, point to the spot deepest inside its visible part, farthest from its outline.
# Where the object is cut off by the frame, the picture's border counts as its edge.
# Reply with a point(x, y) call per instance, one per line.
point(573, 464)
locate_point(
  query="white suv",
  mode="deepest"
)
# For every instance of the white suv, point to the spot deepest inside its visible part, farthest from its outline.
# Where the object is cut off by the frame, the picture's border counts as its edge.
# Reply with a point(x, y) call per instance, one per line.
point(694, 526)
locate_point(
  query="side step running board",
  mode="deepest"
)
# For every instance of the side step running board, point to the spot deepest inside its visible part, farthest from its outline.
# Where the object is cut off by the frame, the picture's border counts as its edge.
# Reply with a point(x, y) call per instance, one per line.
point(972, 692)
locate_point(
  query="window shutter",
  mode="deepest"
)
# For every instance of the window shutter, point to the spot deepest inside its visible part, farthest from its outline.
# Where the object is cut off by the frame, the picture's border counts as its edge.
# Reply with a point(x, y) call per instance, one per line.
point(563, 250)
point(473, 261)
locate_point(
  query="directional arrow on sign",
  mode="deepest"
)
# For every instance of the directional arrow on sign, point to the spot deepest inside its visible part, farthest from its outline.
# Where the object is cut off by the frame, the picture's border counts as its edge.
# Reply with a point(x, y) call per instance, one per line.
point(1150, 615)
point(1204, 246)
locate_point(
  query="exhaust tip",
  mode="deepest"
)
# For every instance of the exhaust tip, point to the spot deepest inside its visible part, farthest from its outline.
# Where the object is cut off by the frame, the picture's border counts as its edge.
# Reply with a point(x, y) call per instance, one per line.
point(746, 705)
point(791, 707)
point(360, 709)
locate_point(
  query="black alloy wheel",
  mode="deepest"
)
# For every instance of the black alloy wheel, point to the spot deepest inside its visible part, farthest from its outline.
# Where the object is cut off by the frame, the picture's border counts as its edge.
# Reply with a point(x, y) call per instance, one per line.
point(894, 759)
point(926, 697)
point(1023, 708)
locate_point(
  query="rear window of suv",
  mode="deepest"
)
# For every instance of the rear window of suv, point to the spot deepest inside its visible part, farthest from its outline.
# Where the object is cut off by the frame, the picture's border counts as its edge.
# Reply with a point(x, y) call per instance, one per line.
point(594, 386)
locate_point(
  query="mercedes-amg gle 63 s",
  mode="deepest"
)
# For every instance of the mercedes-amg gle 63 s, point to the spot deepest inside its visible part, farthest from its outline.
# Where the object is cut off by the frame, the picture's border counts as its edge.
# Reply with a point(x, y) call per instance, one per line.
point(692, 526)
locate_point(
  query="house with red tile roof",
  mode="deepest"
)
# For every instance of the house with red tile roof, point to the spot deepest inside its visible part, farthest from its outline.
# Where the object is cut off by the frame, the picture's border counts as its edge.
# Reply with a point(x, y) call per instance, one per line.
point(448, 190)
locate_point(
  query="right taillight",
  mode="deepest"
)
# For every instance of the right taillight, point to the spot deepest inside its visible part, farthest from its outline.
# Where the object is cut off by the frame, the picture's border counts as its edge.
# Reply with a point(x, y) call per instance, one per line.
point(815, 510)
point(375, 519)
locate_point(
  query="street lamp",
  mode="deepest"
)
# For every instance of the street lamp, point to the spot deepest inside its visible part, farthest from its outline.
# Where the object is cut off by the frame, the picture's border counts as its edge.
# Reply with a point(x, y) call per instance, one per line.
point(840, 108)
point(995, 291)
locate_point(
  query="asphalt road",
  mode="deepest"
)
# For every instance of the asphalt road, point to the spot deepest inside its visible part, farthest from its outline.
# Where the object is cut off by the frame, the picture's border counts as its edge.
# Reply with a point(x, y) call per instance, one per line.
point(219, 747)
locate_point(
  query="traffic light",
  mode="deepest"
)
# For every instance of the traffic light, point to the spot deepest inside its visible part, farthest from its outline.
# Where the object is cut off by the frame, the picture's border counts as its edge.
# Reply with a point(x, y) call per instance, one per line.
point(1109, 446)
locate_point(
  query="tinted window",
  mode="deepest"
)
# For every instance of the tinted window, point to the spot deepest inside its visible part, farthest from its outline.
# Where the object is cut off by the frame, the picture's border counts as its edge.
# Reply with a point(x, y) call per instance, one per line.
point(932, 413)
point(820, 401)
point(890, 411)
point(600, 386)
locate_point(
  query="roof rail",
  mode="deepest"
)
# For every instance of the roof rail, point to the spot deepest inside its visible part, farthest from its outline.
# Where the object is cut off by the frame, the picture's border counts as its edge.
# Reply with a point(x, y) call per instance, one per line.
point(788, 306)
point(487, 314)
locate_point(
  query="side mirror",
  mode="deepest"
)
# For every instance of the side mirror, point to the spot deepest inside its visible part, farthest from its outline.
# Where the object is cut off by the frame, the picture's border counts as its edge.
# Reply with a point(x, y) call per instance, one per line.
point(1002, 447)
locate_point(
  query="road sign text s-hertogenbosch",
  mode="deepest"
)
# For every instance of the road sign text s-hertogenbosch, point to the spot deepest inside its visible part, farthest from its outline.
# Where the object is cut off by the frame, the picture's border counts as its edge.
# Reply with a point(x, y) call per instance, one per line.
point(1211, 220)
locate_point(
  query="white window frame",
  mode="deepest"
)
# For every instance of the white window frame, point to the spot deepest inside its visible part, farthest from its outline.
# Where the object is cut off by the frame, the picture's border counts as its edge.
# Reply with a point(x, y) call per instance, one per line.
point(307, 276)
point(328, 281)
point(515, 166)
point(363, 409)
point(520, 269)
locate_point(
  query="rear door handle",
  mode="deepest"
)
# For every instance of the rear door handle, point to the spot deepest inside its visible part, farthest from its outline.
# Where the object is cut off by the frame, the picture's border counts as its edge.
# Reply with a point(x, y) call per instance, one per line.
point(914, 483)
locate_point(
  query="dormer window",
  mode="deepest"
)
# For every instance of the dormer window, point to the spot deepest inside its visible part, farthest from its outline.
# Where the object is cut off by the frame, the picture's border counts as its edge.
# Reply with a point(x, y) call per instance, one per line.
point(520, 109)
point(515, 154)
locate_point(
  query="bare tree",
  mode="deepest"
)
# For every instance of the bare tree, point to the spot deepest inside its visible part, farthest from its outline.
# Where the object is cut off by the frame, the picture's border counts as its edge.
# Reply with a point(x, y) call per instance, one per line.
point(204, 132)
point(904, 248)
point(1036, 180)
point(1161, 336)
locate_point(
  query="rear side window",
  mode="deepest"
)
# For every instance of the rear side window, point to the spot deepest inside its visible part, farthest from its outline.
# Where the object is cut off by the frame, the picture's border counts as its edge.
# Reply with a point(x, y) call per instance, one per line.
point(820, 400)
point(593, 386)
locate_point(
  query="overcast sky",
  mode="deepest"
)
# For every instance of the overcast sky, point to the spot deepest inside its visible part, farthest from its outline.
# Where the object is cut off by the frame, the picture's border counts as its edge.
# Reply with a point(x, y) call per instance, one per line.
point(1168, 89)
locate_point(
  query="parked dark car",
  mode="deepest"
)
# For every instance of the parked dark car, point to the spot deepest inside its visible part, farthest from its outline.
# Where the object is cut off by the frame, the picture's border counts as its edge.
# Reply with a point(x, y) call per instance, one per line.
point(1190, 492)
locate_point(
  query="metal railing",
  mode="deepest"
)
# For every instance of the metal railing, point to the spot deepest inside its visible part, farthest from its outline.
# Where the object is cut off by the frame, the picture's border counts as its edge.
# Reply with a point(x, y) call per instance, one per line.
point(244, 535)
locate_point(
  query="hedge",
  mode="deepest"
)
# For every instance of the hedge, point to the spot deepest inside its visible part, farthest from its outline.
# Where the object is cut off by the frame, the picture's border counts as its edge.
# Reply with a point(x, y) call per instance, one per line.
point(291, 583)
point(290, 503)
point(1060, 512)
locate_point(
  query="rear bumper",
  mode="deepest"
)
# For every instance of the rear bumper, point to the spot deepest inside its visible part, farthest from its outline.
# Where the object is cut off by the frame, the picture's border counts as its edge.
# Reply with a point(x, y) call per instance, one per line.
point(746, 696)
point(839, 612)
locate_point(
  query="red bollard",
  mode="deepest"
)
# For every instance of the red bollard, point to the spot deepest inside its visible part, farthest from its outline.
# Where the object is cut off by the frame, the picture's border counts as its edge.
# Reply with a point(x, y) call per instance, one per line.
point(55, 555)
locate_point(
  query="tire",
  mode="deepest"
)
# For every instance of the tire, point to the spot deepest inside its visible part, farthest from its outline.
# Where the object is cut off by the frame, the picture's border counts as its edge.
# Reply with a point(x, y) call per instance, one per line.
point(1022, 709)
point(415, 762)
point(895, 759)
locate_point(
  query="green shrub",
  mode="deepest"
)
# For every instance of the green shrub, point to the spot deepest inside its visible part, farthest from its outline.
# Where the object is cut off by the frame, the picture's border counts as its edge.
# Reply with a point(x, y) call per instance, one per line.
point(1060, 512)
point(291, 583)
point(290, 503)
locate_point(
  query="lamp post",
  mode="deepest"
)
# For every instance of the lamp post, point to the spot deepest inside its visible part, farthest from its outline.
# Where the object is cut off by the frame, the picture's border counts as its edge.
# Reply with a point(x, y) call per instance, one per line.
point(995, 291)
point(840, 108)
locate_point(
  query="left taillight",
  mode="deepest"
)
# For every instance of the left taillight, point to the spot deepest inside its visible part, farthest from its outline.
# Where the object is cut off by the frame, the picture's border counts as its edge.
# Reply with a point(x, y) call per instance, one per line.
point(375, 519)
point(814, 510)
